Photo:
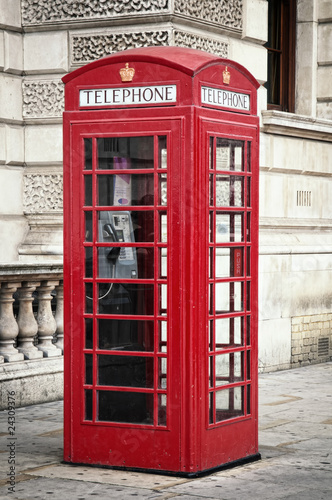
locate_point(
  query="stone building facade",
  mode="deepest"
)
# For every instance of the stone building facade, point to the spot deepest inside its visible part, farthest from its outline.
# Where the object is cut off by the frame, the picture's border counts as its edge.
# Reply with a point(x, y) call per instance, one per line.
point(40, 41)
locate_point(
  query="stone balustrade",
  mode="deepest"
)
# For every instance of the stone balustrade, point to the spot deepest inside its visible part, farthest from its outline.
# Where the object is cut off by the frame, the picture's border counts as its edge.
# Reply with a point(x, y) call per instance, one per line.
point(31, 312)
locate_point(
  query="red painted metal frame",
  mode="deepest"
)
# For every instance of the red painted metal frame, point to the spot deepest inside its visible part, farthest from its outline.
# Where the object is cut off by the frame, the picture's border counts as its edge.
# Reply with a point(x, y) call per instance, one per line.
point(189, 444)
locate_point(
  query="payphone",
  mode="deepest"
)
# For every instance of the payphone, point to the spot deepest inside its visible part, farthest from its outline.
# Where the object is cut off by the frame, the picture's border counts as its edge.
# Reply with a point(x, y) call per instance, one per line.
point(161, 184)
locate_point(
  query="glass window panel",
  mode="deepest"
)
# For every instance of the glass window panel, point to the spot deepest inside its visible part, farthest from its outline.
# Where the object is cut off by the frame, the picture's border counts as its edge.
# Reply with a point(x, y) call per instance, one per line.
point(125, 299)
point(229, 227)
point(162, 181)
point(248, 261)
point(125, 335)
point(211, 408)
point(211, 190)
point(229, 191)
point(88, 154)
point(125, 371)
point(248, 330)
point(88, 298)
point(88, 190)
point(248, 365)
point(211, 227)
point(211, 153)
point(125, 152)
point(229, 332)
point(129, 263)
point(229, 403)
point(162, 328)
point(248, 399)
point(211, 299)
point(88, 368)
point(163, 227)
point(162, 299)
point(229, 368)
point(126, 407)
point(88, 262)
point(125, 226)
point(162, 262)
point(223, 155)
point(248, 226)
point(248, 296)
point(228, 262)
point(249, 192)
point(211, 335)
point(248, 156)
point(88, 333)
point(162, 373)
point(238, 158)
point(125, 189)
point(162, 409)
point(88, 404)
point(162, 151)
point(88, 226)
point(211, 371)
point(229, 297)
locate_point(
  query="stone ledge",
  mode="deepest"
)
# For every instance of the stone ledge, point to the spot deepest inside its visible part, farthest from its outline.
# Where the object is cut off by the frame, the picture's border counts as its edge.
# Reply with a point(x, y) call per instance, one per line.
point(33, 382)
point(289, 124)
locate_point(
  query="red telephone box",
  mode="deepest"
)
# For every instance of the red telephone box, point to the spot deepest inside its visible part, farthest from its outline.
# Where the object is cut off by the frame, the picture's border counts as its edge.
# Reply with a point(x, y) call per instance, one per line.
point(160, 271)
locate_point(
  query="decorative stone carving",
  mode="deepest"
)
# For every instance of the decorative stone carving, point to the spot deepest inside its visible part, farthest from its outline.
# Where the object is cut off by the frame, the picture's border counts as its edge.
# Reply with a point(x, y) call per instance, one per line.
point(226, 13)
point(43, 193)
point(185, 39)
point(43, 98)
point(86, 48)
point(41, 11)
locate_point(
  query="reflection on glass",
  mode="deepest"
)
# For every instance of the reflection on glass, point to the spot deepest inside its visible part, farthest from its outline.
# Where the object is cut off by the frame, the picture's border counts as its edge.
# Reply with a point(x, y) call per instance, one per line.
point(229, 262)
point(248, 330)
point(88, 298)
point(162, 262)
point(88, 190)
point(88, 333)
point(125, 189)
point(163, 227)
point(211, 153)
point(88, 369)
point(88, 154)
point(88, 262)
point(126, 407)
point(229, 297)
point(125, 152)
point(162, 299)
point(229, 403)
point(228, 368)
point(162, 181)
point(125, 298)
point(229, 227)
point(162, 328)
point(125, 335)
point(124, 226)
point(223, 155)
point(211, 408)
point(125, 371)
point(248, 156)
point(229, 191)
point(162, 409)
point(162, 373)
point(88, 226)
point(131, 263)
point(229, 155)
point(162, 151)
point(228, 332)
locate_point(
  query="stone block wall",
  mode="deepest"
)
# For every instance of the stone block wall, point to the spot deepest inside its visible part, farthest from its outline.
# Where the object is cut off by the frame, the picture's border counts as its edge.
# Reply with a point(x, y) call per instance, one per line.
point(311, 339)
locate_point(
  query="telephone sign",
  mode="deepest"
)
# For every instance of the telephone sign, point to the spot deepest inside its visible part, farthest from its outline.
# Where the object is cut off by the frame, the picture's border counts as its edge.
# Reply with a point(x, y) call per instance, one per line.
point(160, 262)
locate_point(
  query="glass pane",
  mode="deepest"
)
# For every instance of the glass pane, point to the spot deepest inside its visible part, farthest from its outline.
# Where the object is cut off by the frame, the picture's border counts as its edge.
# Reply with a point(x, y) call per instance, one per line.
point(211, 190)
point(88, 369)
point(229, 297)
point(248, 330)
point(248, 156)
point(248, 399)
point(88, 404)
point(211, 408)
point(162, 189)
point(125, 189)
point(162, 373)
point(229, 227)
point(131, 263)
point(249, 226)
point(125, 371)
point(162, 262)
point(128, 407)
point(229, 332)
point(125, 299)
point(125, 335)
point(229, 191)
point(88, 154)
point(124, 226)
point(229, 368)
point(249, 192)
point(162, 152)
point(238, 158)
point(125, 152)
point(163, 227)
point(88, 262)
point(88, 226)
point(88, 333)
point(88, 190)
point(211, 153)
point(162, 327)
point(248, 365)
point(229, 403)
point(88, 297)
point(223, 155)
point(162, 407)
point(229, 262)
point(162, 299)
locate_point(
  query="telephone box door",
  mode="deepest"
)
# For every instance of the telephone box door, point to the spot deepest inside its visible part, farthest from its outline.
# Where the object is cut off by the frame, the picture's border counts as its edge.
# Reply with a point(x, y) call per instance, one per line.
point(125, 305)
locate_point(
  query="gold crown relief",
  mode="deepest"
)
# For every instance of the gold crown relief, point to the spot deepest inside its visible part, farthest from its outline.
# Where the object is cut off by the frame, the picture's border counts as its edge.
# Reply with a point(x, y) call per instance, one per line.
point(127, 74)
point(226, 76)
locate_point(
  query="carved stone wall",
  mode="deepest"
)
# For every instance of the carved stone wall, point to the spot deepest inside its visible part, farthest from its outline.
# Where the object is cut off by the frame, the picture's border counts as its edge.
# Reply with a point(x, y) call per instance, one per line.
point(186, 39)
point(43, 98)
point(36, 12)
point(42, 193)
point(225, 13)
point(86, 48)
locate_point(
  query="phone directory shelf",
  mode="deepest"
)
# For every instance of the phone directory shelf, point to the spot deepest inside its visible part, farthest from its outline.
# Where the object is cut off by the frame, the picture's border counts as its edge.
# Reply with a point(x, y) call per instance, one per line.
point(161, 262)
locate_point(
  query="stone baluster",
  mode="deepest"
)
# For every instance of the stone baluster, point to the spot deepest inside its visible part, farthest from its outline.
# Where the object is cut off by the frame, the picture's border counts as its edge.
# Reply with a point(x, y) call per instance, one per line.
point(8, 324)
point(27, 323)
point(46, 321)
point(59, 315)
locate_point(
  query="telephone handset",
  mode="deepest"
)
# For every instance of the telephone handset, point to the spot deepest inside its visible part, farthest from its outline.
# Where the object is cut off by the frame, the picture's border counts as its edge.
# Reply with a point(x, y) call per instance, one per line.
point(117, 262)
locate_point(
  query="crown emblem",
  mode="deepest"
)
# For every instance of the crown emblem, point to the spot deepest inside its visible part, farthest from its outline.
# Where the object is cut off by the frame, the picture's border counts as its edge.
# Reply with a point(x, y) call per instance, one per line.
point(226, 76)
point(127, 74)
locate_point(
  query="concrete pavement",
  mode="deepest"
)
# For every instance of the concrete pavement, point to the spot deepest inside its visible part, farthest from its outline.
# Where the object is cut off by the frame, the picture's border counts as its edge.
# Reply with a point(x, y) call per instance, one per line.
point(295, 443)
